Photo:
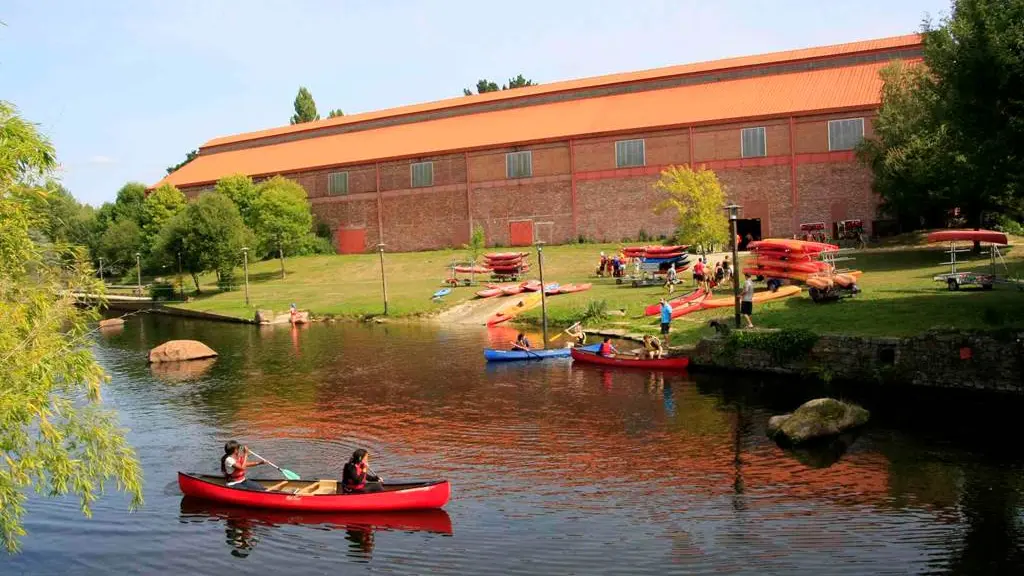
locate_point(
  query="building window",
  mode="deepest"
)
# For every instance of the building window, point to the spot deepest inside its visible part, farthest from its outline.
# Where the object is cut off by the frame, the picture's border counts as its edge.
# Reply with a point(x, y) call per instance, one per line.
point(752, 142)
point(422, 174)
point(337, 183)
point(629, 153)
point(519, 164)
point(845, 134)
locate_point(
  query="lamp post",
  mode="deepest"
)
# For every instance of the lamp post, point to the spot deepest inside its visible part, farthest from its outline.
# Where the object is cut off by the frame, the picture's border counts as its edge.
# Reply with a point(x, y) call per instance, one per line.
point(245, 269)
point(138, 273)
point(733, 215)
point(181, 283)
point(383, 279)
point(101, 268)
point(543, 292)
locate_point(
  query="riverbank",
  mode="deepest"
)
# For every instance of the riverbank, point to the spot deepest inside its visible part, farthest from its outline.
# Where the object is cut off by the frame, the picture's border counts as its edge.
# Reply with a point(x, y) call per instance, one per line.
point(899, 297)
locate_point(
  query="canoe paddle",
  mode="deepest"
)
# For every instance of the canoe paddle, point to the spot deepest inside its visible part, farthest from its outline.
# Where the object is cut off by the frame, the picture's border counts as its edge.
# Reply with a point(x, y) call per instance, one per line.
point(288, 474)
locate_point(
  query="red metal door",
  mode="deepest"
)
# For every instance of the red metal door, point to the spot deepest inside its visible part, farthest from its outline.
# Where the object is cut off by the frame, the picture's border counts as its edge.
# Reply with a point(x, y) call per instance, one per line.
point(520, 233)
point(352, 240)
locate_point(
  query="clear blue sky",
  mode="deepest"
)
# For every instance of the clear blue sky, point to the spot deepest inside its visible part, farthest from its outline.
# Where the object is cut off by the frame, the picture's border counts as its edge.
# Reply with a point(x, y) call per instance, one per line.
point(125, 88)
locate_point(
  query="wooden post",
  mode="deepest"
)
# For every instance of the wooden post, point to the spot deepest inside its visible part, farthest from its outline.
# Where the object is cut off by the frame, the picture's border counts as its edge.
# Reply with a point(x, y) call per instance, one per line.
point(245, 268)
point(383, 279)
point(543, 291)
point(733, 213)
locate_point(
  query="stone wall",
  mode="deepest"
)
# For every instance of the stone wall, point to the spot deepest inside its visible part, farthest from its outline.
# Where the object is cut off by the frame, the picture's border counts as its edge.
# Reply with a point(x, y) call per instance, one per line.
point(973, 360)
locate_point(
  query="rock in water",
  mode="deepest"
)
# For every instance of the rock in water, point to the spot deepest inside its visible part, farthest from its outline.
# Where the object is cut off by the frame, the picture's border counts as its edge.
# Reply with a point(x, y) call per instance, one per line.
point(822, 417)
point(111, 322)
point(178, 350)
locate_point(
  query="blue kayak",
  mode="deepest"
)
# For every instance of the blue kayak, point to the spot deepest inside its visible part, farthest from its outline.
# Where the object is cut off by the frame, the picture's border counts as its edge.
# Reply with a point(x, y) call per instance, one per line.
point(492, 355)
point(442, 293)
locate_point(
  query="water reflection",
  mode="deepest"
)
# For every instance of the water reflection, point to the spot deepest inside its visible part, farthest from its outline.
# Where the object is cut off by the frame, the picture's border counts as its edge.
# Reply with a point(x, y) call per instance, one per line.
point(181, 371)
point(244, 527)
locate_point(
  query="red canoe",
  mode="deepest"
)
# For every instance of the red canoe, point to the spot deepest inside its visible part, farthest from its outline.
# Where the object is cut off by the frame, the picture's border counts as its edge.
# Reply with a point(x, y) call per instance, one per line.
point(676, 363)
point(990, 236)
point(316, 495)
point(655, 309)
point(411, 520)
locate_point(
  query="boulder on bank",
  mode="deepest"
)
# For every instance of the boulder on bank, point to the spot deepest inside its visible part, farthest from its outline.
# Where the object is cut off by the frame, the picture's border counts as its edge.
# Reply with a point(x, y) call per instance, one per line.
point(111, 322)
point(818, 418)
point(179, 350)
point(264, 316)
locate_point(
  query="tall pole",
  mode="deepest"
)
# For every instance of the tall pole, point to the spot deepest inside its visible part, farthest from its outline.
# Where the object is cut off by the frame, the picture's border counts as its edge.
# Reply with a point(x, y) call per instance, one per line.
point(138, 272)
point(733, 214)
point(181, 283)
point(543, 292)
point(101, 268)
point(245, 269)
point(383, 279)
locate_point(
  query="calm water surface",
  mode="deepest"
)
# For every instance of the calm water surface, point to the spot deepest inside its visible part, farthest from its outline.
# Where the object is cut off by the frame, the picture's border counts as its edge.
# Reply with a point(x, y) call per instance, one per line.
point(556, 469)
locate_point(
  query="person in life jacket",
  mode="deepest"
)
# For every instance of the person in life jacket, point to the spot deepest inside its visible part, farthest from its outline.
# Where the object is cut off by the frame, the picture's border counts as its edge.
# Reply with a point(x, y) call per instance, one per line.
point(606, 348)
point(357, 476)
point(233, 464)
point(521, 343)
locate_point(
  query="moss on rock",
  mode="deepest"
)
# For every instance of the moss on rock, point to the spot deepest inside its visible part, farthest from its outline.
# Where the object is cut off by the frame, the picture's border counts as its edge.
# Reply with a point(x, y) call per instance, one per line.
point(818, 418)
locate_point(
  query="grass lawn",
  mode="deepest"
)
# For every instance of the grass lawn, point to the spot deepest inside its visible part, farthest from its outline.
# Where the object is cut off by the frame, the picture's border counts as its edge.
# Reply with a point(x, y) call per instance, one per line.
point(899, 296)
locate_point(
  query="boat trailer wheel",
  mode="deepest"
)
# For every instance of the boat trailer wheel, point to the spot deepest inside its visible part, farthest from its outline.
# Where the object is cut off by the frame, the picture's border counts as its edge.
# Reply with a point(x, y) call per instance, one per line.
point(952, 285)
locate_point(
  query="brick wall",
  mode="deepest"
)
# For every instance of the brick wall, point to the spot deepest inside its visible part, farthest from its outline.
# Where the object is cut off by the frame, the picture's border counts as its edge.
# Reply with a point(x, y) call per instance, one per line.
point(618, 208)
point(763, 192)
point(548, 160)
point(547, 199)
point(828, 189)
point(425, 219)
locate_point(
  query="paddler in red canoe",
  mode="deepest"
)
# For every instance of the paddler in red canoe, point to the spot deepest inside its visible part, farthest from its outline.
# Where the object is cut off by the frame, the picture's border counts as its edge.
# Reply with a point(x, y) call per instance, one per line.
point(233, 464)
point(357, 477)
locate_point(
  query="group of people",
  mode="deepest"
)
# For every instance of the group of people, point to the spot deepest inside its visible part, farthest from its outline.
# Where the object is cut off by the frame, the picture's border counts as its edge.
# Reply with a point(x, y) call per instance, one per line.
point(613, 266)
point(707, 277)
point(356, 476)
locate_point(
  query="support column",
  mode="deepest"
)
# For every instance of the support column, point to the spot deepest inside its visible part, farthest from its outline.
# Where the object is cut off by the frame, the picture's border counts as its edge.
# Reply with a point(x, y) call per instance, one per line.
point(689, 138)
point(380, 206)
point(469, 196)
point(572, 186)
point(794, 195)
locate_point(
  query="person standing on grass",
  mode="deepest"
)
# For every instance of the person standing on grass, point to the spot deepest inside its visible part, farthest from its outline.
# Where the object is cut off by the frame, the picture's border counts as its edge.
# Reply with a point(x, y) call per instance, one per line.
point(747, 306)
point(666, 318)
point(670, 278)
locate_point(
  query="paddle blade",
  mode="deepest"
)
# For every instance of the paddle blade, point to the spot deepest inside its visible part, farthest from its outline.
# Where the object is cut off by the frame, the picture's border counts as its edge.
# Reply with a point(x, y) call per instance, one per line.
point(289, 474)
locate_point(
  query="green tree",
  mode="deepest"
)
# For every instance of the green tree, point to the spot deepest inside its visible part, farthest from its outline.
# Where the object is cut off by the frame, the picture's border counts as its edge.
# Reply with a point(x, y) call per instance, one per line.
point(209, 234)
point(305, 107)
point(160, 206)
point(283, 219)
point(119, 243)
point(483, 86)
point(55, 435)
point(189, 156)
point(335, 113)
point(698, 201)
point(128, 204)
point(477, 242)
point(241, 190)
point(518, 82)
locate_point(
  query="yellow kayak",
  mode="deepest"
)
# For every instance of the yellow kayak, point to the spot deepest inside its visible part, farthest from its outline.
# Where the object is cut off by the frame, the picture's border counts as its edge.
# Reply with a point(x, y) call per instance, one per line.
point(519, 305)
point(759, 297)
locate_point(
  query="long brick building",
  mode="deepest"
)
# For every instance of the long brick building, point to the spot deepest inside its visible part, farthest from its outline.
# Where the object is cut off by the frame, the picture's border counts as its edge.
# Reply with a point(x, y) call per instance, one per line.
point(573, 159)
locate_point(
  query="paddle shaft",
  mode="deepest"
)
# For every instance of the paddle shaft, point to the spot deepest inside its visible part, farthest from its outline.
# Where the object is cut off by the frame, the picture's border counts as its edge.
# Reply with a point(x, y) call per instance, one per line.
point(264, 459)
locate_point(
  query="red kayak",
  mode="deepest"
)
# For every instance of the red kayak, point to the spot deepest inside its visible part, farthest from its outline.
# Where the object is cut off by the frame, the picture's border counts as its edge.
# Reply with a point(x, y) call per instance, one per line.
point(676, 363)
point(500, 256)
point(317, 495)
point(691, 306)
point(512, 290)
point(990, 236)
point(570, 288)
point(472, 269)
point(489, 292)
point(655, 309)
point(412, 520)
point(531, 285)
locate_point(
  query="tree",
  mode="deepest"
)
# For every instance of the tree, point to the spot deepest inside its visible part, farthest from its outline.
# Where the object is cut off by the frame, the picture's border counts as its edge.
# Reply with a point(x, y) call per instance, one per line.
point(484, 85)
point(241, 190)
point(189, 156)
point(305, 107)
point(120, 242)
point(55, 435)
point(160, 205)
point(477, 242)
point(698, 200)
point(209, 234)
point(283, 220)
point(335, 113)
point(128, 204)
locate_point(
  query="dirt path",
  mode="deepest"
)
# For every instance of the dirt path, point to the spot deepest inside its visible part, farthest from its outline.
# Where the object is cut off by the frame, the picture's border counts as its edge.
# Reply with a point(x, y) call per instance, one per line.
point(473, 312)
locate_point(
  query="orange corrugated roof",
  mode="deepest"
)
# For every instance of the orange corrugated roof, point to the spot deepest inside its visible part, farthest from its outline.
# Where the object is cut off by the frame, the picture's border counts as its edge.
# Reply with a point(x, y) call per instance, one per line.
point(891, 43)
point(783, 94)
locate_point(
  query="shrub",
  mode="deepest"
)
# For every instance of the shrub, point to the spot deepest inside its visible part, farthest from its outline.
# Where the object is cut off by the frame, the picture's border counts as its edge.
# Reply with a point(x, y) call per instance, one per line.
point(1010, 226)
point(162, 291)
point(226, 279)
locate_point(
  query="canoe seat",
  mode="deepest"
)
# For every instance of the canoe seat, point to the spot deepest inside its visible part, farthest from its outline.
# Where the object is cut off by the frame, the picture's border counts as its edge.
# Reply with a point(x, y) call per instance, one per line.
point(278, 486)
point(311, 489)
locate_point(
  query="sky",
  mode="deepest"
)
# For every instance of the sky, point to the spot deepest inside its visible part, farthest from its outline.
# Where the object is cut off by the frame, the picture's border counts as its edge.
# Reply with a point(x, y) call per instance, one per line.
point(125, 88)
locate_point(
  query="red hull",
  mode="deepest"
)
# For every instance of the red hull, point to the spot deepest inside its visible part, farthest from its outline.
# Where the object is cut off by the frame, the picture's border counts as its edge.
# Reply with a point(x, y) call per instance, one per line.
point(423, 496)
point(489, 293)
point(505, 255)
point(691, 306)
point(655, 309)
point(678, 363)
point(990, 236)
point(570, 288)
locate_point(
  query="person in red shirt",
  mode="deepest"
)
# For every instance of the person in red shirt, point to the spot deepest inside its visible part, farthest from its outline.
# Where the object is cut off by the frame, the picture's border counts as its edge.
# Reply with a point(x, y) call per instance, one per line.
point(357, 477)
point(233, 464)
point(606, 348)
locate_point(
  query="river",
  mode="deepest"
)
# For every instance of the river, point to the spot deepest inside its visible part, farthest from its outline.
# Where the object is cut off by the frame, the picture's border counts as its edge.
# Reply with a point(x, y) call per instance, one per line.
point(555, 468)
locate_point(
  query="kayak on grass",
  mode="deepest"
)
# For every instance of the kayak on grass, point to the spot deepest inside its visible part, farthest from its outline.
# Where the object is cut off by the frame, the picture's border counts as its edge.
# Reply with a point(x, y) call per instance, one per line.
point(441, 293)
point(570, 288)
point(316, 495)
point(655, 309)
point(674, 363)
point(764, 296)
point(516, 307)
point(493, 355)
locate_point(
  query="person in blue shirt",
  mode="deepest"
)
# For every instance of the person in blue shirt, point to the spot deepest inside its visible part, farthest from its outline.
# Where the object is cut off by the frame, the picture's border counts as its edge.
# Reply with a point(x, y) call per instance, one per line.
point(666, 317)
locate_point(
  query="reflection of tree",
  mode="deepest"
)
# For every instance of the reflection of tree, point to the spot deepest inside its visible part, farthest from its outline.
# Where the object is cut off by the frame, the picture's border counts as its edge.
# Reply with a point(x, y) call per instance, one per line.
point(993, 540)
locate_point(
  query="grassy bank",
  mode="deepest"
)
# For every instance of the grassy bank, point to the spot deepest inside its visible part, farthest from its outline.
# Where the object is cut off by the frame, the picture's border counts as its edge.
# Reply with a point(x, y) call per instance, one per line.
point(899, 298)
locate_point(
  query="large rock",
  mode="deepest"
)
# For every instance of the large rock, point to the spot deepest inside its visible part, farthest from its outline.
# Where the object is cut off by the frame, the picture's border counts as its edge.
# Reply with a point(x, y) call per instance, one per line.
point(818, 418)
point(179, 350)
point(112, 323)
point(264, 316)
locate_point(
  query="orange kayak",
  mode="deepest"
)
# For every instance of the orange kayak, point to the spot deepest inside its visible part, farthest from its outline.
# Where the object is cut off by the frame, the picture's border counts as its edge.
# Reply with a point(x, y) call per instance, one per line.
point(515, 308)
point(782, 292)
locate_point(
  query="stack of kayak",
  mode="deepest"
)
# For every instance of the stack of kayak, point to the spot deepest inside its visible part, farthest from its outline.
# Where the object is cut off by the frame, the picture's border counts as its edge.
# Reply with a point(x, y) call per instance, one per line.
point(790, 259)
point(701, 300)
point(507, 263)
point(658, 259)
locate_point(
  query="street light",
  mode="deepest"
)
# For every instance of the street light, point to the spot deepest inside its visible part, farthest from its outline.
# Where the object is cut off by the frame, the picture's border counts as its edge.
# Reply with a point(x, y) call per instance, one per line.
point(383, 279)
point(245, 267)
point(543, 293)
point(138, 273)
point(101, 268)
point(733, 215)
